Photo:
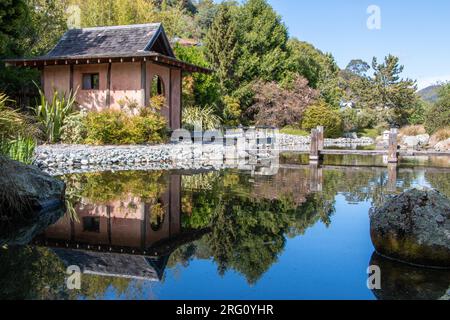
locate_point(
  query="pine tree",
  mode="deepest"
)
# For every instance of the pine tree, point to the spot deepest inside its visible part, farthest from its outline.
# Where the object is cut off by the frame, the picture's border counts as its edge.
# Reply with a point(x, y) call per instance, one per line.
point(222, 48)
point(264, 40)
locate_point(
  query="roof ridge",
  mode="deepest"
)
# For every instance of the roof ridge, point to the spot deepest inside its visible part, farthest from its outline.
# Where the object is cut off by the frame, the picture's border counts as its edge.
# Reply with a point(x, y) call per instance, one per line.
point(127, 26)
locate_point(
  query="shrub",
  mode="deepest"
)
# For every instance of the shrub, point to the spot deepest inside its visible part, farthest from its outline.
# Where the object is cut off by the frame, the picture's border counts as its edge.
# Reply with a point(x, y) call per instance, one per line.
point(203, 117)
point(349, 119)
point(321, 114)
point(231, 111)
point(74, 130)
point(52, 114)
point(366, 119)
point(279, 106)
point(438, 115)
point(412, 130)
point(117, 127)
point(418, 115)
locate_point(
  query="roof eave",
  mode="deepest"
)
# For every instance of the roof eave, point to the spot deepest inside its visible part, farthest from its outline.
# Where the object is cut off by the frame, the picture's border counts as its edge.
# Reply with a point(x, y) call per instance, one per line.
point(82, 60)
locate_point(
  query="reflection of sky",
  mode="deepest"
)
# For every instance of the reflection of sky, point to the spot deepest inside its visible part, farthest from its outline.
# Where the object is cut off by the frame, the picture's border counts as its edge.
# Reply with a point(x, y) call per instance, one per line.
point(325, 263)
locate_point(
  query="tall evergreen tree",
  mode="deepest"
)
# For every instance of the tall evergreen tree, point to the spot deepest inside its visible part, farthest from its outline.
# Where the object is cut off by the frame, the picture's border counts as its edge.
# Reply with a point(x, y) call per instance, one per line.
point(222, 48)
point(264, 38)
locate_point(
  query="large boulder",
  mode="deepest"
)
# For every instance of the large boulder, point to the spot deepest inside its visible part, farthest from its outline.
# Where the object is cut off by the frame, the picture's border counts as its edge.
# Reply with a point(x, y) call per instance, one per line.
point(413, 227)
point(30, 200)
point(415, 142)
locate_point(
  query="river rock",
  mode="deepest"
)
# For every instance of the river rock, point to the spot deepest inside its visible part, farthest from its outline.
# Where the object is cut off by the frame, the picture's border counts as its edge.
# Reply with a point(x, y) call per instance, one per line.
point(442, 146)
point(416, 141)
point(413, 227)
point(30, 200)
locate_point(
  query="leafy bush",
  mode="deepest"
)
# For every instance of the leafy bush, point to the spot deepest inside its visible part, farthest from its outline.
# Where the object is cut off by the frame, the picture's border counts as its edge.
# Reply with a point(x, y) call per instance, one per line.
point(200, 117)
point(418, 115)
point(349, 119)
point(74, 130)
point(321, 114)
point(438, 115)
point(117, 127)
point(52, 114)
point(366, 119)
point(231, 111)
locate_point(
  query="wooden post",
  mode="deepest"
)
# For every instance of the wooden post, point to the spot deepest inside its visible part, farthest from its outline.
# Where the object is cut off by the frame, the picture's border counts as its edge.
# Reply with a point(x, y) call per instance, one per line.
point(393, 146)
point(314, 153)
point(392, 177)
point(144, 99)
point(108, 86)
point(315, 178)
point(320, 132)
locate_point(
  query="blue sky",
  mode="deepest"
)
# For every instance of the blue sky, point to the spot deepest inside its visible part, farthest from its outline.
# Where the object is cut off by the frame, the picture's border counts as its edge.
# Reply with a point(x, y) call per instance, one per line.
point(416, 31)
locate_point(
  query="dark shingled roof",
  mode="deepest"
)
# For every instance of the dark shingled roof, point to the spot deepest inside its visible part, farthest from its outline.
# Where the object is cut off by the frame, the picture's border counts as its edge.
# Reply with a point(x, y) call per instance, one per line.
point(130, 43)
point(102, 41)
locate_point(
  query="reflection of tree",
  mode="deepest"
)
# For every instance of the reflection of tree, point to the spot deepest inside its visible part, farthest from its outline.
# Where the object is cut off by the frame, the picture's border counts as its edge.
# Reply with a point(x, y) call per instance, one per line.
point(30, 273)
point(440, 181)
point(248, 230)
point(94, 287)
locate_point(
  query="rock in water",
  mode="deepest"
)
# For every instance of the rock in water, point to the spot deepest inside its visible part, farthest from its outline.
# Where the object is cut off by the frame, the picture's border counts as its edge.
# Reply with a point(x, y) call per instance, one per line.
point(30, 200)
point(413, 227)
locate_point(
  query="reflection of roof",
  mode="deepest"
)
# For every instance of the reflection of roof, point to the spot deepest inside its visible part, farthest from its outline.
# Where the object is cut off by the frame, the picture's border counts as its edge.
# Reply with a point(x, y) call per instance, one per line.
point(114, 264)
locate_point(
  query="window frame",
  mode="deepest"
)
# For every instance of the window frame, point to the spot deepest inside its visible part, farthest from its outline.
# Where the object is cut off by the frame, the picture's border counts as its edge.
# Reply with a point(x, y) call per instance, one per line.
point(93, 84)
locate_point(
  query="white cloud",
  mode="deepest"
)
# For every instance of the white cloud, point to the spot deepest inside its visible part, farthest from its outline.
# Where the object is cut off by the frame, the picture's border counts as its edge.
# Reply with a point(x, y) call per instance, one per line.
point(428, 81)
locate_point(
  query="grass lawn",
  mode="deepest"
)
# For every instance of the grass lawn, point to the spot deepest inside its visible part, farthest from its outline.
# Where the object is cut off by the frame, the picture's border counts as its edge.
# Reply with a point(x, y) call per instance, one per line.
point(294, 131)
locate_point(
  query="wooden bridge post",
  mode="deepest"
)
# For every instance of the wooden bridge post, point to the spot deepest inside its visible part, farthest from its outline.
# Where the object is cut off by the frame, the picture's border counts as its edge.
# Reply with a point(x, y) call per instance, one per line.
point(393, 146)
point(321, 133)
point(314, 152)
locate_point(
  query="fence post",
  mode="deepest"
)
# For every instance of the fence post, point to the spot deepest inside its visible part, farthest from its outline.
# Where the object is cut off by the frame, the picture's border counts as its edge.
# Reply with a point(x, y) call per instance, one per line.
point(393, 146)
point(314, 152)
point(321, 143)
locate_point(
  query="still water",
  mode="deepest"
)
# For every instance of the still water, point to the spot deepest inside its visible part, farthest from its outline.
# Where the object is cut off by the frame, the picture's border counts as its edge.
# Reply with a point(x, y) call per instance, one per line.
point(293, 232)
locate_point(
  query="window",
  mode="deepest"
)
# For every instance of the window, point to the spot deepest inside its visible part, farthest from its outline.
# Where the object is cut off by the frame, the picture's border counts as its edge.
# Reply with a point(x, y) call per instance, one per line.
point(91, 224)
point(157, 88)
point(91, 81)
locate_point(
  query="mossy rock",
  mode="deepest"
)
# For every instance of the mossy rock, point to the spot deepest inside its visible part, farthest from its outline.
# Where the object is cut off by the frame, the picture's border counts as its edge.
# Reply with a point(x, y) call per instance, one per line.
point(413, 227)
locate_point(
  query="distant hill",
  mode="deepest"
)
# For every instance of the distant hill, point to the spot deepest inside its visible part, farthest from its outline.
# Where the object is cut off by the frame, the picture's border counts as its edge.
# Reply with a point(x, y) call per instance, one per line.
point(430, 94)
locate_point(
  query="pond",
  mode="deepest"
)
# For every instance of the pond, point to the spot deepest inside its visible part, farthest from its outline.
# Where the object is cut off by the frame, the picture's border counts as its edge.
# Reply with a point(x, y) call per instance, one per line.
point(292, 232)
